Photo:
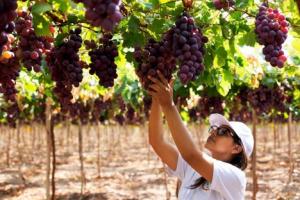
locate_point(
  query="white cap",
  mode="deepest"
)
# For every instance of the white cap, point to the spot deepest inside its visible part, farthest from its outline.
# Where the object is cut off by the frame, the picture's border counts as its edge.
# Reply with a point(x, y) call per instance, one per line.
point(241, 129)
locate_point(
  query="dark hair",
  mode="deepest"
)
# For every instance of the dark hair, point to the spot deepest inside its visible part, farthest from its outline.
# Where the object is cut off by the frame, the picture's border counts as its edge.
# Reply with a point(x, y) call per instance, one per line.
point(240, 161)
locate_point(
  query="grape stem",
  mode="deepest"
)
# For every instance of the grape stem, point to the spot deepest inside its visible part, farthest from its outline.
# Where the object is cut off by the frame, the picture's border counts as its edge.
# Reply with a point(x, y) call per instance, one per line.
point(79, 23)
point(243, 11)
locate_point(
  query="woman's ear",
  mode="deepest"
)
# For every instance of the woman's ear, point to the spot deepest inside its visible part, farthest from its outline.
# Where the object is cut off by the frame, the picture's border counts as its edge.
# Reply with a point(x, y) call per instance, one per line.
point(237, 149)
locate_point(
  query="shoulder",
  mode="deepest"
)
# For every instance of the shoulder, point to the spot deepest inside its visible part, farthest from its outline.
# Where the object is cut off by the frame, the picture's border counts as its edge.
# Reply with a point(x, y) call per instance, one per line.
point(223, 170)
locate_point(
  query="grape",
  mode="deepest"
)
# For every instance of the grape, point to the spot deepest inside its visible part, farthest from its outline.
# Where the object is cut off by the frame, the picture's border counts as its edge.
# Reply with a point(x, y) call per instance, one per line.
point(271, 29)
point(103, 13)
point(223, 4)
point(80, 110)
point(155, 56)
point(263, 99)
point(121, 105)
point(12, 112)
point(194, 114)
point(66, 68)
point(130, 114)
point(210, 104)
point(186, 42)
point(239, 111)
point(9, 71)
point(7, 14)
point(31, 46)
point(100, 106)
point(205, 106)
point(102, 61)
point(147, 101)
point(279, 98)
point(120, 119)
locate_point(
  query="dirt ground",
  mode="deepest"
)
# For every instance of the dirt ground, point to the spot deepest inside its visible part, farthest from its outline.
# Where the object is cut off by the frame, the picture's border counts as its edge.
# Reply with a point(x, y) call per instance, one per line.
point(129, 168)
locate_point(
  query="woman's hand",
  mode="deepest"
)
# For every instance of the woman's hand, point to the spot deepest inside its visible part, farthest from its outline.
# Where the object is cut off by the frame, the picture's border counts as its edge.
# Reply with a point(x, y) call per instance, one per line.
point(162, 91)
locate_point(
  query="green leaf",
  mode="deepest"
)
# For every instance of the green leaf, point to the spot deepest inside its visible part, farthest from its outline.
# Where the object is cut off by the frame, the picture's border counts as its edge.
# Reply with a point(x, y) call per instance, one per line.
point(220, 58)
point(40, 8)
point(133, 23)
point(132, 39)
point(157, 25)
point(232, 46)
point(72, 18)
point(296, 44)
point(269, 82)
point(59, 39)
point(248, 39)
point(165, 1)
point(63, 5)
point(30, 87)
point(41, 25)
point(225, 82)
point(154, 3)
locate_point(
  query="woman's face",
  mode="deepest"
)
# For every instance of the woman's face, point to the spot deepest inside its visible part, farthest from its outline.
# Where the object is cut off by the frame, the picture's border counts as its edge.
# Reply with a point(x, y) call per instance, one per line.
point(223, 146)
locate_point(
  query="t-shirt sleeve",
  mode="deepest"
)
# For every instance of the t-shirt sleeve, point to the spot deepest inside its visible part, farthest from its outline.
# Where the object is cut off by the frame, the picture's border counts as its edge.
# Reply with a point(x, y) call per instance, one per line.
point(181, 168)
point(228, 180)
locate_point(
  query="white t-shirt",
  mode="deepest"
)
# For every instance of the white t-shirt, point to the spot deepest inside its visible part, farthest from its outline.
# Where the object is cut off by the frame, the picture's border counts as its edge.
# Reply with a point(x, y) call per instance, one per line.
point(228, 182)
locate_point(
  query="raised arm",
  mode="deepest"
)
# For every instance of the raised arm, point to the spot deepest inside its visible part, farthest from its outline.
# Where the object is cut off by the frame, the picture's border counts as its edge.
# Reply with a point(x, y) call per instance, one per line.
point(188, 149)
point(165, 150)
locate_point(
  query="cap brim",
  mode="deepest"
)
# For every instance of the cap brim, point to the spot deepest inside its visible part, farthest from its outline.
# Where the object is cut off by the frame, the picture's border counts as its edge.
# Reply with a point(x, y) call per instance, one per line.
point(218, 120)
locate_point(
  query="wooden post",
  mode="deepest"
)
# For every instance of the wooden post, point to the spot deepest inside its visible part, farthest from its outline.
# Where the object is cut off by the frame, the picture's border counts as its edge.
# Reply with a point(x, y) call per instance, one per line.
point(98, 149)
point(48, 139)
point(274, 140)
point(8, 147)
point(88, 129)
point(253, 161)
point(68, 136)
point(52, 137)
point(19, 153)
point(291, 164)
point(83, 180)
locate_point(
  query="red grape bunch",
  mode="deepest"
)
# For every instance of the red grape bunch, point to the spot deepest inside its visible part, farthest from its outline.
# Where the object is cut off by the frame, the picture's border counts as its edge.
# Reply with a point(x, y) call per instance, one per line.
point(9, 71)
point(103, 60)
point(239, 111)
point(80, 111)
point(155, 56)
point(223, 4)
point(206, 105)
point(210, 104)
point(65, 67)
point(263, 99)
point(279, 98)
point(187, 43)
point(271, 29)
point(147, 102)
point(7, 14)
point(103, 13)
point(12, 112)
point(259, 99)
point(6, 48)
point(120, 114)
point(100, 107)
point(32, 47)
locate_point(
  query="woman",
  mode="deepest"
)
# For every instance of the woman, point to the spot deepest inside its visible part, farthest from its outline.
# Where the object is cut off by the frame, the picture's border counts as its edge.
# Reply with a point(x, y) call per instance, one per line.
point(213, 175)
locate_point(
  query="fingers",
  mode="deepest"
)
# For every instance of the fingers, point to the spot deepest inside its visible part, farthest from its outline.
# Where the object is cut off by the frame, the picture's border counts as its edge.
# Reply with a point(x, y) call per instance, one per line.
point(162, 78)
point(154, 87)
point(152, 93)
point(172, 82)
point(156, 82)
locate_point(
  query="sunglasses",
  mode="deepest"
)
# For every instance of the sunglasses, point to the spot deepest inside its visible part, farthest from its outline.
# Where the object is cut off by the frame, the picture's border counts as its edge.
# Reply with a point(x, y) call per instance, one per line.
point(224, 131)
point(221, 131)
